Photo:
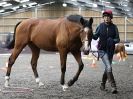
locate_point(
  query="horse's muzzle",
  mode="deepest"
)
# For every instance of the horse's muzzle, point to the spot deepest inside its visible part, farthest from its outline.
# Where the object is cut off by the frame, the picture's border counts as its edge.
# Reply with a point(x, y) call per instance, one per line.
point(86, 52)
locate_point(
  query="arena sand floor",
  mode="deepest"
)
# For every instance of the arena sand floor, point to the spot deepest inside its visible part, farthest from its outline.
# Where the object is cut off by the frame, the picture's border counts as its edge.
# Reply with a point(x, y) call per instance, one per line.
point(23, 84)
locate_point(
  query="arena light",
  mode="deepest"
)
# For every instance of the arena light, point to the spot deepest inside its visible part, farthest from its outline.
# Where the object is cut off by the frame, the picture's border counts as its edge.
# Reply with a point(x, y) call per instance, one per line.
point(64, 5)
point(47, 3)
point(52, 2)
point(94, 5)
point(32, 4)
point(105, 2)
point(24, 6)
point(6, 5)
point(3, 3)
point(15, 8)
point(18, 0)
point(1, 11)
point(102, 11)
point(127, 0)
point(110, 7)
point(22, 1)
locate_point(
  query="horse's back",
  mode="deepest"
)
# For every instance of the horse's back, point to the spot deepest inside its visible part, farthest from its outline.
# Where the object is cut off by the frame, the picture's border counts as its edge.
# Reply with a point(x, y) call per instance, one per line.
point(49, 34)
point(46, 31)
point(41, 32)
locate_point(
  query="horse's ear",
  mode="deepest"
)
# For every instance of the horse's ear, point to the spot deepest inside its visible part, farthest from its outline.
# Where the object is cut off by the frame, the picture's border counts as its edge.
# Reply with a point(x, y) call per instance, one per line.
point(82, 21)
point(91, 21)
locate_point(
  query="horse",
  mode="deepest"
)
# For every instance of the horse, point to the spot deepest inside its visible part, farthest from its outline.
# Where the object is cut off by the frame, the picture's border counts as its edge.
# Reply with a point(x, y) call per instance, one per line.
point(65, 35)
point(120, 51)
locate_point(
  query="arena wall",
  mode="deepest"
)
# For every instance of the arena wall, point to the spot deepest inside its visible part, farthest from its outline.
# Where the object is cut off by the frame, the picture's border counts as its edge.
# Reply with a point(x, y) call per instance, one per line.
point(8, 22)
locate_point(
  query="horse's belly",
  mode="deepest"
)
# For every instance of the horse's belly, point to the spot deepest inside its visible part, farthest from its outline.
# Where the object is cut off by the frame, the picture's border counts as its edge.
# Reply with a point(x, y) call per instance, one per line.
point(45, 45)
point(44, 40)
point(53, 49)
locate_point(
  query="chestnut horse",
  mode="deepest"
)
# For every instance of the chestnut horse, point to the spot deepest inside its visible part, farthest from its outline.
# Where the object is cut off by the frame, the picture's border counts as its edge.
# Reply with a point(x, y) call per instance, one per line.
point(67, 34)
point(120, 49)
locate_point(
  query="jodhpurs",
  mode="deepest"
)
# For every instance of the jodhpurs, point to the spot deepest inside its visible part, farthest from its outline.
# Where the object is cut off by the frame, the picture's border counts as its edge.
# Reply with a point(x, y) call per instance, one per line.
point(107, 63)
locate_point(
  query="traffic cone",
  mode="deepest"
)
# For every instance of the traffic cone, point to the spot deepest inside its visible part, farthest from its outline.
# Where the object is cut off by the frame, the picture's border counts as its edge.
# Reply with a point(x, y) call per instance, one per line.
point(93, 63)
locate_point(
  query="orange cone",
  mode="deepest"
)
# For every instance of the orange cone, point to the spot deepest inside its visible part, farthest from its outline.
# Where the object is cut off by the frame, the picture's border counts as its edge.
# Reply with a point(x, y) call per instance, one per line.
point(93, 63)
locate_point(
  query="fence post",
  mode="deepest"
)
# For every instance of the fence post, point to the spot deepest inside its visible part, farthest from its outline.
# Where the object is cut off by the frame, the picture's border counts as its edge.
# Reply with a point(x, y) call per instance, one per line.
point(125, 29)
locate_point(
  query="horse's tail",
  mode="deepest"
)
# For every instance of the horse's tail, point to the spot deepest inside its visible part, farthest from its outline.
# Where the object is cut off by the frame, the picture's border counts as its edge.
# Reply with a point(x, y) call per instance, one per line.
point(12, 43)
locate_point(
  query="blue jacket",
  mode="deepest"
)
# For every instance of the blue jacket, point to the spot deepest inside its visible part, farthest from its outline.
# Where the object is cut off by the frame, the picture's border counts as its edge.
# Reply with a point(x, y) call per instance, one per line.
point(108, 36)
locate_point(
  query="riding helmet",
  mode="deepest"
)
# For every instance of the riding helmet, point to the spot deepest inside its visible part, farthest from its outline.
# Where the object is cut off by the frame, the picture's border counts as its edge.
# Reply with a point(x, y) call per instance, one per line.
point(108, 13)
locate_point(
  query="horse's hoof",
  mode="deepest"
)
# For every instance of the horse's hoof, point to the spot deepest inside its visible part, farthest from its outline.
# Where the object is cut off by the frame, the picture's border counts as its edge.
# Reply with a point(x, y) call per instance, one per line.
point(70, 83)
point(114, 91)
point(102, 87)
point(64, 87)
point(41, 84)
point(7, 86)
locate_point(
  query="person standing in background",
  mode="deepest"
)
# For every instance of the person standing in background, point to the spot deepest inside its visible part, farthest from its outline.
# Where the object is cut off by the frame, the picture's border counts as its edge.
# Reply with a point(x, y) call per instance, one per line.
point(108, 35)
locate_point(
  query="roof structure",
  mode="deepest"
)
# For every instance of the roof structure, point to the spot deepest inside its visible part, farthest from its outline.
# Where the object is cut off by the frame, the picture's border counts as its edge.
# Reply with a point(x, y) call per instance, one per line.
point(119, 7)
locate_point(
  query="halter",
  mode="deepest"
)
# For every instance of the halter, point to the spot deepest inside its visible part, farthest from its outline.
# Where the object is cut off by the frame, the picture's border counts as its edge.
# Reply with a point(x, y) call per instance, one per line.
point(86, 30)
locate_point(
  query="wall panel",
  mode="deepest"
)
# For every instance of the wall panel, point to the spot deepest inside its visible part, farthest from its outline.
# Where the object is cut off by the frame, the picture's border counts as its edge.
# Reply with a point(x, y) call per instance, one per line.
point(7, 23)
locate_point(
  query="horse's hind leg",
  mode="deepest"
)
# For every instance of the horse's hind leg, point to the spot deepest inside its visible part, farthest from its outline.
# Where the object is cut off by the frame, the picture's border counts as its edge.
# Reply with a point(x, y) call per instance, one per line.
point(35, 55)
point(12, 58)
point(77, 56)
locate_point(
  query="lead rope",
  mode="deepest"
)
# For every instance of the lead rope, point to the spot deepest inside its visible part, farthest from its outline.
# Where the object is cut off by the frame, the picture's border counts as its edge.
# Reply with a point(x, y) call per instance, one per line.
point(95, 55)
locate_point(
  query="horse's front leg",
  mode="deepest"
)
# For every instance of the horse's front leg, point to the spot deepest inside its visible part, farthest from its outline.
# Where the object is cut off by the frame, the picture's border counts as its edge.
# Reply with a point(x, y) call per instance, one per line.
point(77, 56)
point(63, 58)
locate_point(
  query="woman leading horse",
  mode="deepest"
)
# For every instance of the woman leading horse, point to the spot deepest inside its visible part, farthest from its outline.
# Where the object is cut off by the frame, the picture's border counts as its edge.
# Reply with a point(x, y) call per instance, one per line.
point(64, 35)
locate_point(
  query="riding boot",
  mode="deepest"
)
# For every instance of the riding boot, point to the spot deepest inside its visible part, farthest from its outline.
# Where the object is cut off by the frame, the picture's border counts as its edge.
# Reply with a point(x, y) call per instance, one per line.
point(112, 82)
point(104, 79)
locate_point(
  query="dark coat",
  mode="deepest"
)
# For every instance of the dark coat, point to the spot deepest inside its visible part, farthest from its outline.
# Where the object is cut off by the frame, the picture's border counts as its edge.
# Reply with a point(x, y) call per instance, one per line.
point(108, 36)
point(104, 32)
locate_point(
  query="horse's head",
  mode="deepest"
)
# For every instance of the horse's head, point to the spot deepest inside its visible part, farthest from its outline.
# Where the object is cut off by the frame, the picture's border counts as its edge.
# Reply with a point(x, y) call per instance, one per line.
point(86, 36)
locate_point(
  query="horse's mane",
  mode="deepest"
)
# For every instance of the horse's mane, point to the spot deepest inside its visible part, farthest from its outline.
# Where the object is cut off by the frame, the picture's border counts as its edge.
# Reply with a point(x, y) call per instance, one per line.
point(81, 20)
point(76, 18)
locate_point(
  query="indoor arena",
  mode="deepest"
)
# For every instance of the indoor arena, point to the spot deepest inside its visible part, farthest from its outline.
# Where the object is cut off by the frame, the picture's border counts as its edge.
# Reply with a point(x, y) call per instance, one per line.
point(66, 49)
